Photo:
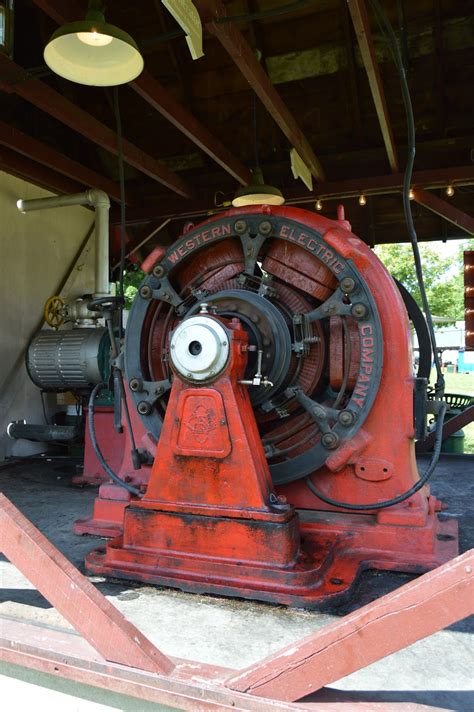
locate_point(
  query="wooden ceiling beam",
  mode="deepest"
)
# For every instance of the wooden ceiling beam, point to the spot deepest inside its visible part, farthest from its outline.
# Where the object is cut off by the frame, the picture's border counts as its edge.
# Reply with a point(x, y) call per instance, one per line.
point(162, 101)
point(46, 155)
point(156, 95)
point(51, 102)
point(160, 208)
point(242, 54)
point(22, 167)
point(360, 20)
point(446, 210)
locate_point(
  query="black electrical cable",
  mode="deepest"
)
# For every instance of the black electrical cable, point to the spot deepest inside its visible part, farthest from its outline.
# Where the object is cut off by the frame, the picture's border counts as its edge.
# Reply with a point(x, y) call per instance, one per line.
point(133, 490)
point(393, 42)
point(118, 122)
point(401, 497)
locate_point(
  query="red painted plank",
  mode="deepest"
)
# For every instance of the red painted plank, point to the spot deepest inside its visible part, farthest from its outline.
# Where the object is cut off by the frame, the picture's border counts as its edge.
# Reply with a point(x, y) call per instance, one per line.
point(91, 614)
point(360, 20)
point(192, 686)
point(414, 611)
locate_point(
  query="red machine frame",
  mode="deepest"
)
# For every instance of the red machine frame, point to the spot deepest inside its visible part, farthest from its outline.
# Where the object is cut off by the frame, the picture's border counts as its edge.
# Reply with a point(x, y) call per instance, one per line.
point(377, 464)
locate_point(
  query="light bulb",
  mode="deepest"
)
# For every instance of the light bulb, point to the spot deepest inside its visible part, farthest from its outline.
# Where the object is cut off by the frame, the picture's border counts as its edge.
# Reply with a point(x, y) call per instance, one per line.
point(411, 194)
point(362, 199)
point(318, 205)
point(449, 191)
point(94, 39)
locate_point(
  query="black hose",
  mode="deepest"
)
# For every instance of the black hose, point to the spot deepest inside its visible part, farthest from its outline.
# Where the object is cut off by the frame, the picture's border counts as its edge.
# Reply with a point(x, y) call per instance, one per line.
point(393, 42)
point(95, 445)
point(401, 497)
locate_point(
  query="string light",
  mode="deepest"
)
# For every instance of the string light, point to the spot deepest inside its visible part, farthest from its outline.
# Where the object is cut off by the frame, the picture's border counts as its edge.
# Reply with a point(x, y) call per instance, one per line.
point(449, 191)
point(318, 205)
point(362, 199)
point(411, 194)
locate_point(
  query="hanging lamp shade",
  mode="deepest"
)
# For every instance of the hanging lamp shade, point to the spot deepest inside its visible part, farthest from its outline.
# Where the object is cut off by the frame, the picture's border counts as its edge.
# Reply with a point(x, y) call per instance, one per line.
point(258, 193)
point(93, 52)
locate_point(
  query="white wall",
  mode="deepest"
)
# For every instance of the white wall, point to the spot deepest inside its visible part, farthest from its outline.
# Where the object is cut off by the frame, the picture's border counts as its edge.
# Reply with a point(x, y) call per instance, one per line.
point(36, 250)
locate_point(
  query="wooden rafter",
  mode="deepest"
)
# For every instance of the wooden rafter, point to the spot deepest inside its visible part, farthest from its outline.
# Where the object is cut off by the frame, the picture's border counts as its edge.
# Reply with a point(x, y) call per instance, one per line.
point(160, 208)
point(22, 167)
point(47, 156)
point(162, 101)
point(155, 94)
point(444, 209)
point(360, 20)
point(54, 104)
point(241, 53)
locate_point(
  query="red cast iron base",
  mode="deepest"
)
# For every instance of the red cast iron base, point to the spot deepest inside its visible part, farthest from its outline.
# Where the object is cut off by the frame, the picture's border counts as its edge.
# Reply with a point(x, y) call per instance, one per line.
point(335, 548)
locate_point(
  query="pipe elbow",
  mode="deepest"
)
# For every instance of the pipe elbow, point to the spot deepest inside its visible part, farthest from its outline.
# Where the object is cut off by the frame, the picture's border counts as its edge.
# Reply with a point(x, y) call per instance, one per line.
point(98, 198)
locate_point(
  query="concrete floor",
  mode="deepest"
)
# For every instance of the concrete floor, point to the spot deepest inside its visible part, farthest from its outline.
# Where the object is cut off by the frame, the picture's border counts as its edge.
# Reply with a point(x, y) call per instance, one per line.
point(437, 671)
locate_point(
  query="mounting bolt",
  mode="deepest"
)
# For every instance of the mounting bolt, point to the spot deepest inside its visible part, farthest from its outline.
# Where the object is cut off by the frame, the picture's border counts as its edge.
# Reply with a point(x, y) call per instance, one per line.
point(135, 384)
point(145, 292)
point(330, 441)
point(348, 284)
point(158, 271)
point(240, 227)
point(144, 408)
point(359, 310)
point(265, 227)
point(346, 417)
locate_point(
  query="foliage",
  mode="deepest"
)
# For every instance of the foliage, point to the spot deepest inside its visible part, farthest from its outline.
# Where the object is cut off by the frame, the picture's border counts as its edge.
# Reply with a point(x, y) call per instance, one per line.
point(443, 277)
point(131, 281)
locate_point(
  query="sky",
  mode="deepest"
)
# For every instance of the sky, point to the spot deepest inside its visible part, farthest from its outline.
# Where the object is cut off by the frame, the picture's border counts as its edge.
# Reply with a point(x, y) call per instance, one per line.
point(447, 249)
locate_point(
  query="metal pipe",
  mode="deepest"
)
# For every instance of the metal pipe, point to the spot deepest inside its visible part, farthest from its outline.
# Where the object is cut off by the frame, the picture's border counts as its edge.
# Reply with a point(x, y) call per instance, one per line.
point(101, 204)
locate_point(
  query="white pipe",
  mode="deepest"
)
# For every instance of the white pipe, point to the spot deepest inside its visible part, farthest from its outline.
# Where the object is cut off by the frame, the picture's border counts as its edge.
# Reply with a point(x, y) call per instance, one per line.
point(101, 203)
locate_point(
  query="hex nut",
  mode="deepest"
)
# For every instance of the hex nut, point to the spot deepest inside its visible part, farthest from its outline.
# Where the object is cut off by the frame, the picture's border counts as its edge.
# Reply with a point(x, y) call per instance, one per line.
point(330, 441)
point(134, 384)
point(346, 417)
point(144, 408)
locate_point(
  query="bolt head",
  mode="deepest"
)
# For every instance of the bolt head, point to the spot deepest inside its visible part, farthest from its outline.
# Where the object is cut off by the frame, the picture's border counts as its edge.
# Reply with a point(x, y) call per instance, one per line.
point(240, 227)
point(265, 227)
point(330, 441)
point(134, 384)
point(348, 284)
point(346, 417)
point(145, 292)
point(158, 271)
point(359, 310)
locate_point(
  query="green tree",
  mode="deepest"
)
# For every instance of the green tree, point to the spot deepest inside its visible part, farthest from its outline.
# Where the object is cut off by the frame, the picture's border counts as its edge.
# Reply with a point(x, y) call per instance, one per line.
point(443, 277)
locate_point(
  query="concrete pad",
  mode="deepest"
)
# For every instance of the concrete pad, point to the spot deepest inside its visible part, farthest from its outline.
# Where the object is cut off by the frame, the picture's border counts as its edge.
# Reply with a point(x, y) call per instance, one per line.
point(437, 671)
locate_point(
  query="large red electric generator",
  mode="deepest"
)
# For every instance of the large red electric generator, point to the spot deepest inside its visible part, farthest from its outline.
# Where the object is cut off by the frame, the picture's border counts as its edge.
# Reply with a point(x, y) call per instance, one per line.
point(268, 367)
